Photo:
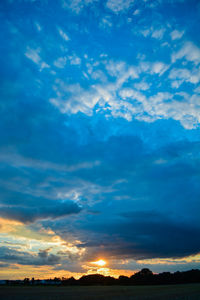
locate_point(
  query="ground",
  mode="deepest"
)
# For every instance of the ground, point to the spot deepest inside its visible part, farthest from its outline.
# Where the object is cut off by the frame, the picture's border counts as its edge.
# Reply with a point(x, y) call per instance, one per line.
point(164, 292)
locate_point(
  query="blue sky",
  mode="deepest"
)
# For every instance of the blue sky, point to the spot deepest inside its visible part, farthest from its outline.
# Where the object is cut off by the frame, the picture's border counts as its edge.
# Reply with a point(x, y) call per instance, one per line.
point(100, 136)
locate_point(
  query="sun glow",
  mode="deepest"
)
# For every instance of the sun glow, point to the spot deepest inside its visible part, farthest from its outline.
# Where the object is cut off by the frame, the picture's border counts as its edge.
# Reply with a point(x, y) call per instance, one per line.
point(99, 263)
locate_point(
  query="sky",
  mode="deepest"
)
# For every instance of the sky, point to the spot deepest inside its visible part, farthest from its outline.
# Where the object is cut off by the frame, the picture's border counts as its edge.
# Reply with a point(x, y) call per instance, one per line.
point(100, 137)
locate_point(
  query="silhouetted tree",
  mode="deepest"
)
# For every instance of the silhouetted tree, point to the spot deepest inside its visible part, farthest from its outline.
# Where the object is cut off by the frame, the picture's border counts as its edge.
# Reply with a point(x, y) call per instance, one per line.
point(26, 281)
point(69, 281)
point(143, 277)
point(123, 280)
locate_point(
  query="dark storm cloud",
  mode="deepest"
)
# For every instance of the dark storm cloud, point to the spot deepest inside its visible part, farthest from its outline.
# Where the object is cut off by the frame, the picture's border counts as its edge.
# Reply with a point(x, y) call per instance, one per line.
point(26, 258)
point(143, 235)
point(31, 214)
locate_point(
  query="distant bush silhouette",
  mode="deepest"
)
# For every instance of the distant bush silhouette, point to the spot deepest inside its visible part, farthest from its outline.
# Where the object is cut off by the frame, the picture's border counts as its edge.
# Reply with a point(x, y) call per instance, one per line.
point(96, 279)
point(143, 277)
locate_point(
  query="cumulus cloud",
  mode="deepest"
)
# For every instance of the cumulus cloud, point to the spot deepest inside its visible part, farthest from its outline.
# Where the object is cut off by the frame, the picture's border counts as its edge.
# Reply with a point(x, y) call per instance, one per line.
point(159, 68)
point(189, 51)
point(184, 75)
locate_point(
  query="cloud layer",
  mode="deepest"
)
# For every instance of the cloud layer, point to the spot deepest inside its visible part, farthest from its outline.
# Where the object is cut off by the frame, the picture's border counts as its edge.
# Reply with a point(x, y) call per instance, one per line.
point(99, 148)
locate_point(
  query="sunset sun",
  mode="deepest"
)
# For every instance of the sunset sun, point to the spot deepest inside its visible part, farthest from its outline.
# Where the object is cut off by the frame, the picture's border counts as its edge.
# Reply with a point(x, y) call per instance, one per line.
point(99, 262)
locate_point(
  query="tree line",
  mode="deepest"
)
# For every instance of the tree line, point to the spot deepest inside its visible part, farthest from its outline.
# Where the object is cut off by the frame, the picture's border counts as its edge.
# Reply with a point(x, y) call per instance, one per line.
point(143, 277)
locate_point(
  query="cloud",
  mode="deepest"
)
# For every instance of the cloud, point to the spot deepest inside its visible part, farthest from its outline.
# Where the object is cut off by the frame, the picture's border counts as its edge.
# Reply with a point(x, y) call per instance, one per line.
point(159, 68)
point(154, 33)
point(158, 33)
point(175, 34)
point(118, 6)
point(189, 51)
point(63, 35)
point(28, 258)
point(184, 75)
point(60, 62)
point(106, 22)
point(28, 214)
point(100, 146)
point(145, 32)
point(142, 86)
point(136, 234)
point(105, 96)
point(33, 54)
point(74, 60)
point(136, 12)
point(38, 26)
point(76, 5)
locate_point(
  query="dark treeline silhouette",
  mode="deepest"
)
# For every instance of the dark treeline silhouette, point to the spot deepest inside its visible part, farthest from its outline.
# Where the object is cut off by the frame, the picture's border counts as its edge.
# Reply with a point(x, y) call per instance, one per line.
point(143, 277)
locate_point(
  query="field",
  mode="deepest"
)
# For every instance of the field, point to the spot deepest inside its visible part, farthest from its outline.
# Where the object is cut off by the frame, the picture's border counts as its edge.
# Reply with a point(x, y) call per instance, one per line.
point(167, 292)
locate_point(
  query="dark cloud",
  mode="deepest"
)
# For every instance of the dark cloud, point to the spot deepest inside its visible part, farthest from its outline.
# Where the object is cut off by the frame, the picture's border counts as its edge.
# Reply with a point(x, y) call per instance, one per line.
point(26, 258)
point(4, 265)
point(142, 235)
point(31, 214)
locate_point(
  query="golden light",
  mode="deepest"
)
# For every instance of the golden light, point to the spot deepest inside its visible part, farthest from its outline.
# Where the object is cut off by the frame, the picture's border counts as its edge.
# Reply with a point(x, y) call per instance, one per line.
point(99, 263)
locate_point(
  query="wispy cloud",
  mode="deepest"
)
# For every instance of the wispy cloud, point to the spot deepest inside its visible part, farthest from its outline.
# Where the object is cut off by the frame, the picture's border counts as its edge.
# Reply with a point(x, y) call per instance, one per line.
point(33, 54)
point(63, 35)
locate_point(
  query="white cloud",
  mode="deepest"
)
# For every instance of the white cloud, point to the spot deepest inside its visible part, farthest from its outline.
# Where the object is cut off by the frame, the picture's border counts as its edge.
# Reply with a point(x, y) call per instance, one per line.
point(120, 99)
point(136, 12)
point(60, 62)
point(145, 32)
point(17, 160)
point(33, 54)
point(63, 35)
point(131, 93)
point(175, 34)
point(76, 5)
point(143, 86)
point(181, 75)
point(159, 68)
point(38, 26)
point(152, 67)
point(197, 90)
point(74, 60)
point(189, 51)
point(154, 33)
point(119, 5)
point(106, 22)
point(158, 34)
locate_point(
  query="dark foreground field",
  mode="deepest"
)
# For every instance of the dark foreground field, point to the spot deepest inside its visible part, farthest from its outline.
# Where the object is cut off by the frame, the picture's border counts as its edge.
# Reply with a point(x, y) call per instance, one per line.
point(167, 292)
